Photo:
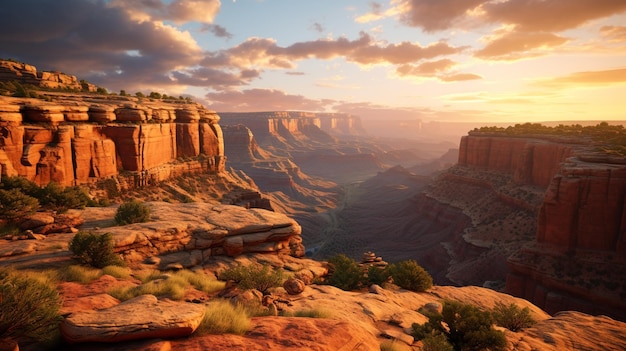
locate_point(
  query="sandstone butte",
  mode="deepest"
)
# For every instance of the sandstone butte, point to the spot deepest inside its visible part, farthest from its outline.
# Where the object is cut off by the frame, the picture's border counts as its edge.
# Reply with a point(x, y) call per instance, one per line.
point(78, 138)
point(578, 259)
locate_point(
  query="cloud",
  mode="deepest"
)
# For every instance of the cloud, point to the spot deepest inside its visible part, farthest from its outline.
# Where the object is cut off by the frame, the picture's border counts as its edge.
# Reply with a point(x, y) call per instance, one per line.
point(516, 45)
point(376, 13)
point(614, 33)
point(177, 11)
point(532, 26)
point(550, 15)
point(318, 27)
point(427, 69)
point(459, 77)
point(435, 15)
point(94, 41)
point(526, 15)
point(263, 100)
point(217, 30)
point(217, 79)
point(365, 50)
point(438, 69)
point(587, 79)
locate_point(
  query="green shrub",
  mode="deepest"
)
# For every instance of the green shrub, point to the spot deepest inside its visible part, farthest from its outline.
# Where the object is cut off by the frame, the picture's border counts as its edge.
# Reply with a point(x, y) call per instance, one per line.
point(29, 307)
point(261, 278)
point(14, 204)
point(223, 317)
point(512, 317)
point(95, 250)
point(20, 183)
point(465, 327)
point(346, 273)
point(411, 276)
point(59, 198)
point(376, 275)
point(436, 343)
point(132, 212)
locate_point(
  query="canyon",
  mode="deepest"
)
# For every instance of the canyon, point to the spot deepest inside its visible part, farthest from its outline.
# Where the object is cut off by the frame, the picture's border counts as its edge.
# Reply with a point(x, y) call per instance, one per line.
point(510, 210)
point(538, 217)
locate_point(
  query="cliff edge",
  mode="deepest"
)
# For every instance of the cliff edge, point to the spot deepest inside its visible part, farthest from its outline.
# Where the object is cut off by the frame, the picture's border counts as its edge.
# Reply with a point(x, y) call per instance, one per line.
point(576, 260)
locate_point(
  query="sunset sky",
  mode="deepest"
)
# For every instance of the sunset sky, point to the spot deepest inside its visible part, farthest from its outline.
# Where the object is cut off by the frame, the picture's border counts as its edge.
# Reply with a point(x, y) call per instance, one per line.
point(446, 60)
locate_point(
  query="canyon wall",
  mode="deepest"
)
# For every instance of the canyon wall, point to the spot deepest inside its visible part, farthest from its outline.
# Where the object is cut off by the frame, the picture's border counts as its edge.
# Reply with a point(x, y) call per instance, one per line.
point(577, 260)
point(28, 74)
point(81, 139)
point(293, 125)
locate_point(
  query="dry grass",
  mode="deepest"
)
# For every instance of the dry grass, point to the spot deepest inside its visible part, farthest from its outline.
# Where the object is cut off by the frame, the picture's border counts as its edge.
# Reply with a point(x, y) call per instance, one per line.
point(222, 317)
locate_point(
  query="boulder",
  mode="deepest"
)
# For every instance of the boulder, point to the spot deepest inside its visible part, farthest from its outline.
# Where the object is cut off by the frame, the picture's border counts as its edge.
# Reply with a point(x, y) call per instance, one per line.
point(143, 317)
point(294, 286)
point(37, 219)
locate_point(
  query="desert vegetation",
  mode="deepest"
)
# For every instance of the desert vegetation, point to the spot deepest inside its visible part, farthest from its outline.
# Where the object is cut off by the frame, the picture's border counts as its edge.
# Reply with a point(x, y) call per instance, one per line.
point(22, 197)
point(132, 212)
point(346, 274)
point(261, 278)
point(94, 250)
point(29, 307)
point(464, 326)
point(611, 139)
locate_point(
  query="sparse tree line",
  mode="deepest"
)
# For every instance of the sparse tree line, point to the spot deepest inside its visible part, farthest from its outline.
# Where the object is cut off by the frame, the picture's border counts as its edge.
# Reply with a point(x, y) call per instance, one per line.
point(23, 90)
point(611, 137)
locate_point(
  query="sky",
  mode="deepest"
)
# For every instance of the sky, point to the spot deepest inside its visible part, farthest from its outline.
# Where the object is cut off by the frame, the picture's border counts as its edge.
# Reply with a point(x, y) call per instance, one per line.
point(433, 60)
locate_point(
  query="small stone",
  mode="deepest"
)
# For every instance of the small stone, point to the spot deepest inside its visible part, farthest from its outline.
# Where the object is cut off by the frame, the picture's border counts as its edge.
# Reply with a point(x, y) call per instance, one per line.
point(153, 260)
point(175, 266)
point(376, 289)
point(398, 335)
point(433, 307)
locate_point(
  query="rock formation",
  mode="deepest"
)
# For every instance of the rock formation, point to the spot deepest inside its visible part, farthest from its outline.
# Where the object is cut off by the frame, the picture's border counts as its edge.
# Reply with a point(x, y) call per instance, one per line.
point(143, 317)
point(81, 139)
point(294, 124)
point(190, 233)
point(576, 260)
point(28, 74)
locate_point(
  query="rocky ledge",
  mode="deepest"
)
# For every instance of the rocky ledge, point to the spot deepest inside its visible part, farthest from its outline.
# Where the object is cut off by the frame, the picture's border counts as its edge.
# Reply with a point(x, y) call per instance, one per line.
point(190, 233)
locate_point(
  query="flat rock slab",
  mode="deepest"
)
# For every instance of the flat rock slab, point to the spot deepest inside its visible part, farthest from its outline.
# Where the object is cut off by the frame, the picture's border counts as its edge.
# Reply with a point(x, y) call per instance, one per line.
point(287, 333)
point(139, 318)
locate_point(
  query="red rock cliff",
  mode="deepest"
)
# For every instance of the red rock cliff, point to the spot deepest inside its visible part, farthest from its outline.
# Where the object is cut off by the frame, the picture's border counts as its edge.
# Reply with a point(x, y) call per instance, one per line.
point(578, 258)
point(529, 161)
point(80, 139)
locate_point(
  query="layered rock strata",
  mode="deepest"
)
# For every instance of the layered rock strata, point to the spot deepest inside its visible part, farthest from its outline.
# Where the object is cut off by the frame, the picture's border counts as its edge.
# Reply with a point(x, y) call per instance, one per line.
point(577, 258)
point(80, 139)
point(189, 234)
point(28, 74)
point(290, 124)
